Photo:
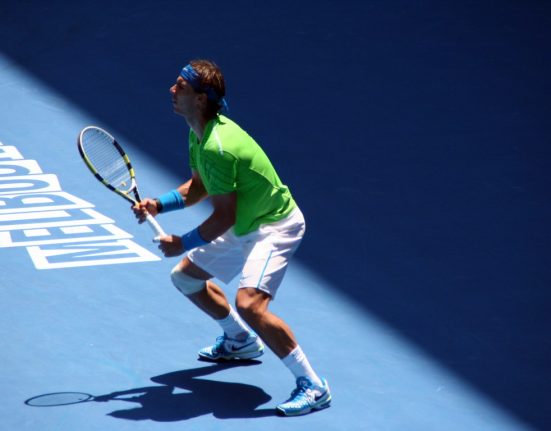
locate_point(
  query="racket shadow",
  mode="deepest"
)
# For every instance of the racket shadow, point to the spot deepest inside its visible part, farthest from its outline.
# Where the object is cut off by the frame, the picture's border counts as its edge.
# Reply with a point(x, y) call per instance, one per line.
point(194, 397)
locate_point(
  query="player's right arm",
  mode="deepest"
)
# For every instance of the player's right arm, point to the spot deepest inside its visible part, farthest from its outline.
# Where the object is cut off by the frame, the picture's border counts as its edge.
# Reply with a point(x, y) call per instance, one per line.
point(192, 192)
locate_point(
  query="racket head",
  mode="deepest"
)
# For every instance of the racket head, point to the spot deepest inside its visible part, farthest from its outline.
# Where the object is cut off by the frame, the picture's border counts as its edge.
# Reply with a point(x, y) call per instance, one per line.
point(108, 161)
point(59, 399)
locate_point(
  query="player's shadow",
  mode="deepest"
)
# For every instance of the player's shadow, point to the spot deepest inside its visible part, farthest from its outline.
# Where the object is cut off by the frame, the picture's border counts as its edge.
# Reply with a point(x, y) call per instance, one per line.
point(168, 403)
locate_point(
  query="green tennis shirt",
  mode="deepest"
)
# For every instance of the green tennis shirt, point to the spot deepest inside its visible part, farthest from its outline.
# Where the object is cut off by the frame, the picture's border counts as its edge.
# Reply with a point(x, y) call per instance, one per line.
point(229, 160)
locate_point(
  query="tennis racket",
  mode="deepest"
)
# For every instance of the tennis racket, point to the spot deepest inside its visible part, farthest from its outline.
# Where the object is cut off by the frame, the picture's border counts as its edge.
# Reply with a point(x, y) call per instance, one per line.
point(109, 163)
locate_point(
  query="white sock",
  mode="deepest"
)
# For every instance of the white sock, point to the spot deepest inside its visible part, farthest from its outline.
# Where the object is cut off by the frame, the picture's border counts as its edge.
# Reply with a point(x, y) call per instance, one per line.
point(298, 364)
point(233, 326)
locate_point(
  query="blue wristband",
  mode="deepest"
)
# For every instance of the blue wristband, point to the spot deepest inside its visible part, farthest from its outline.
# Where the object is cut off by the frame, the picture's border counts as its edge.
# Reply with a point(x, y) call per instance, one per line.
point(170, 201)
point(193, 239)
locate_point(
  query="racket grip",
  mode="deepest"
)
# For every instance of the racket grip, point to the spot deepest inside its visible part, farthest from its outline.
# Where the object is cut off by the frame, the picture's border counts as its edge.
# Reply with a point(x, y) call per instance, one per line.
point(159, 232)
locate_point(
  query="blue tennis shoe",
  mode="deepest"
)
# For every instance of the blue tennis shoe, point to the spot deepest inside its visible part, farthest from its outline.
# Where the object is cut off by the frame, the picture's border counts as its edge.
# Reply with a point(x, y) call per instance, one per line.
point(306, 398)
point(227, 349)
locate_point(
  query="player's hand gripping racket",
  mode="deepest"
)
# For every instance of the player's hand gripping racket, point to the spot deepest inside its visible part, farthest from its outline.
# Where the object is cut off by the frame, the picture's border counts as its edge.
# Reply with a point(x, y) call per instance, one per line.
point(111, 166)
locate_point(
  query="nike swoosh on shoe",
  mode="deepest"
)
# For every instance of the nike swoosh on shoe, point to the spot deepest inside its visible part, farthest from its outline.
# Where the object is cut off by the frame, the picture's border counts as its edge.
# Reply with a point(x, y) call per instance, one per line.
point(238, 348)
point(320, 396)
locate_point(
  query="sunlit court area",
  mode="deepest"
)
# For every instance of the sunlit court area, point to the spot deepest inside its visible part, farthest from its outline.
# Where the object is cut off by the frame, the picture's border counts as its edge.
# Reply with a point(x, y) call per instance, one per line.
point(415, 136)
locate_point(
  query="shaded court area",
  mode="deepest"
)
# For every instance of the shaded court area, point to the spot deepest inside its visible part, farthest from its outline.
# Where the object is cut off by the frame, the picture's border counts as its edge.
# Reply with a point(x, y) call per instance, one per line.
point(415, 137)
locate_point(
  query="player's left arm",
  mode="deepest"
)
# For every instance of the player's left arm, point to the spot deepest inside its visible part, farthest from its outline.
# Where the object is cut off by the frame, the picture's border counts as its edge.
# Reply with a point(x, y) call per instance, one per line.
point(223, 193)
point(222, 218)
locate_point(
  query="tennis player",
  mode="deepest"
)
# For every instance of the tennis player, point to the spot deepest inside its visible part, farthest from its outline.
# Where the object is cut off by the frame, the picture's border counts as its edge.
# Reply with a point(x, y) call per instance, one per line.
point(254, 229)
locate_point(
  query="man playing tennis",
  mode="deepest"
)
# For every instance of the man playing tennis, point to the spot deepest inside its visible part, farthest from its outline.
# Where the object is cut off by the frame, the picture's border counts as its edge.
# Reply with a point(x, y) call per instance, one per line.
point(254, 229)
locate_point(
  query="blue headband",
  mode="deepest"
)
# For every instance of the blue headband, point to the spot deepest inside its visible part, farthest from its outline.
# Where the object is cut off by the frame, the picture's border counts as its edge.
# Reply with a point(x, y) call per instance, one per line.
point(193, 79)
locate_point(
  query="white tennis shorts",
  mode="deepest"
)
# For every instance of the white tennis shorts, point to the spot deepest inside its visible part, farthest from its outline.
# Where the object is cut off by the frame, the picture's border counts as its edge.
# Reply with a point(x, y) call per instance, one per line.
point(261, 256)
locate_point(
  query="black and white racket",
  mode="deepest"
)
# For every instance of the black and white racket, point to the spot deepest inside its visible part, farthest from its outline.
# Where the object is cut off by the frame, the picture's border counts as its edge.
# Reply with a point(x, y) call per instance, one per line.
point(110, 164)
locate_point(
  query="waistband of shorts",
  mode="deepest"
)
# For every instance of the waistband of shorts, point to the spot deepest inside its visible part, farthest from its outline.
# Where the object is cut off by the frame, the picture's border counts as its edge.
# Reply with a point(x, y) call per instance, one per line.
point(295, 212)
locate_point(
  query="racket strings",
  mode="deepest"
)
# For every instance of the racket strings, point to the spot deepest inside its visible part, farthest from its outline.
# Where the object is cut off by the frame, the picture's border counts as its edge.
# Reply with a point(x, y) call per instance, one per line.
point(106, 159)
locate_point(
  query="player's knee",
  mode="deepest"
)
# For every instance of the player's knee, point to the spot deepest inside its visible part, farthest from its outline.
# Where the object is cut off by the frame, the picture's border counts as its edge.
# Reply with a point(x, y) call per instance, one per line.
point(184, 283)
point(250, 309)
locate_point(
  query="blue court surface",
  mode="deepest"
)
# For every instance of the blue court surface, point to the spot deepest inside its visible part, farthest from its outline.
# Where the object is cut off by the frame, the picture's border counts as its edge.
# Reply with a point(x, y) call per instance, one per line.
point(416, 137)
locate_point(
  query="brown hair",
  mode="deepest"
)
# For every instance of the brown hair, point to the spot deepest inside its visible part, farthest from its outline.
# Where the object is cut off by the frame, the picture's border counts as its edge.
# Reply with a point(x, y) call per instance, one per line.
point(211, 78)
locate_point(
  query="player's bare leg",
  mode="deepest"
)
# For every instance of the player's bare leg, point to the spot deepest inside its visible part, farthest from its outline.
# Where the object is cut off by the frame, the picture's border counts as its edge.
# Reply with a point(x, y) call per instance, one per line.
point(211, 299)
point(238, 342)
point(252, 305)
point(312, 392)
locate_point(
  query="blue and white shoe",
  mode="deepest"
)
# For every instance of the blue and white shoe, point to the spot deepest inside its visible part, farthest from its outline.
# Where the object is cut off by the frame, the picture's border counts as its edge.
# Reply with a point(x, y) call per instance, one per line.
point(306, 398)
point(227, 349)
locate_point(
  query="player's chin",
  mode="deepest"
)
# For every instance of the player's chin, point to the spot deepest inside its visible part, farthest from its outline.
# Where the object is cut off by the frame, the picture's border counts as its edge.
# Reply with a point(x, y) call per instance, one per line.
point(177, 111)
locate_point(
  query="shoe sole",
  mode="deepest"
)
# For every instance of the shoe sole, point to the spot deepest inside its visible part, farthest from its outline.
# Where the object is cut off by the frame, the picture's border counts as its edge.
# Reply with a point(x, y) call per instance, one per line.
point(325, 405)
point(240, 357)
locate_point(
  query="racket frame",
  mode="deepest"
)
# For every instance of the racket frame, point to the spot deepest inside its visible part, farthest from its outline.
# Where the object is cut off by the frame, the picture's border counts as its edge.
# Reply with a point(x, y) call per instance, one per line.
point(133, 184)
